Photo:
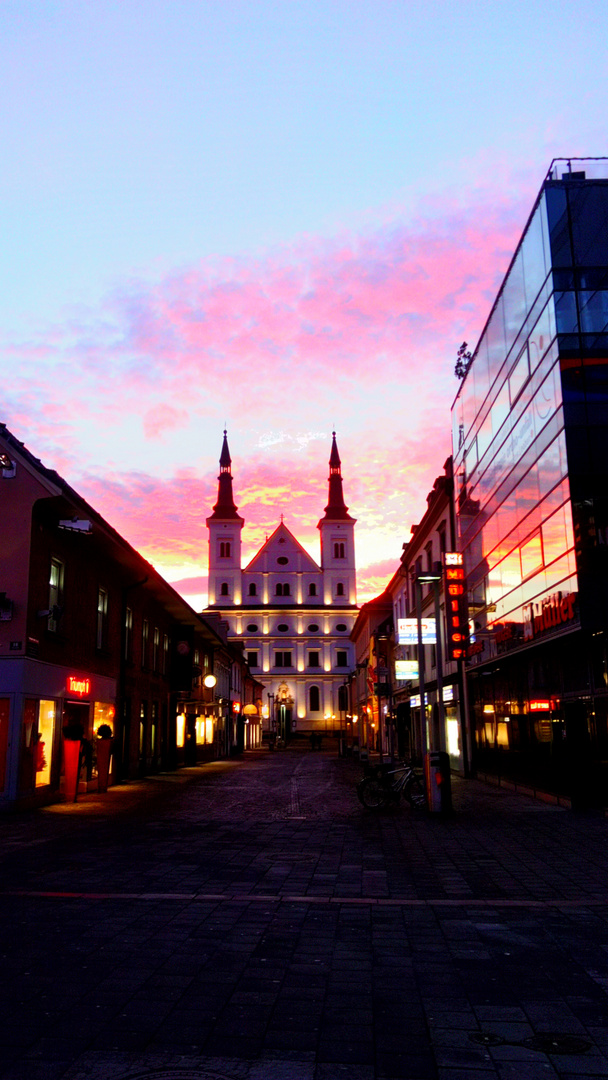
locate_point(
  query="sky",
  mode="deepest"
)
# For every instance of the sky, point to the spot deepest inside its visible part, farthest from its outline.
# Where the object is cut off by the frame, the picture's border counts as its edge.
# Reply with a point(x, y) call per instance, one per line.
point(282, 218)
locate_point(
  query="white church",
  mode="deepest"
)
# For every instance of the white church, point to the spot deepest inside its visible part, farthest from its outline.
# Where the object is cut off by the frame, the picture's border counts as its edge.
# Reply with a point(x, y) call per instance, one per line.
point(292, 615)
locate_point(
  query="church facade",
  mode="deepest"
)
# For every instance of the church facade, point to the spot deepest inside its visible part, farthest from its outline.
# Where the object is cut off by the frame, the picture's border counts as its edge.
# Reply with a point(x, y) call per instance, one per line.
point(292, 615)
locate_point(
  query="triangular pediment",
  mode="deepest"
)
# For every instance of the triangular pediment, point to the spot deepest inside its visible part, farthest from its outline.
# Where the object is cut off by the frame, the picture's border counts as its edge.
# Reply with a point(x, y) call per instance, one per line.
point(282, 545)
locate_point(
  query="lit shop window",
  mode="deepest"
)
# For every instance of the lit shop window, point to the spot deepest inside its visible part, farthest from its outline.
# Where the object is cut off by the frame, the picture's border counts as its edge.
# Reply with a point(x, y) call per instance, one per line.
point(44, 742)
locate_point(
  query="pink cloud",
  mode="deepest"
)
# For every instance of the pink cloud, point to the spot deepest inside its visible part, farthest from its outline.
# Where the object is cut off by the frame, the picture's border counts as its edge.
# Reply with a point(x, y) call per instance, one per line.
point(161, 419)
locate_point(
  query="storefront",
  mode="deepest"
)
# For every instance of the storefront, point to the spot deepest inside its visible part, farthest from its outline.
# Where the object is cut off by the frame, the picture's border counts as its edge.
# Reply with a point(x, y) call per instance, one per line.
point(39, 700)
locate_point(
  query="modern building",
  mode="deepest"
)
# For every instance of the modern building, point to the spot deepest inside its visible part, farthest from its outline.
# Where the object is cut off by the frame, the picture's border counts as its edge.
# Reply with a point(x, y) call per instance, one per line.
point(291, 614)
point(530, 447)
point(91, 634)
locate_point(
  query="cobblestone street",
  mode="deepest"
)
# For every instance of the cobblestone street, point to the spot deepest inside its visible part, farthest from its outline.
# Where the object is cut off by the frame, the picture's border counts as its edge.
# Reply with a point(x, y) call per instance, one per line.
point(250, 920)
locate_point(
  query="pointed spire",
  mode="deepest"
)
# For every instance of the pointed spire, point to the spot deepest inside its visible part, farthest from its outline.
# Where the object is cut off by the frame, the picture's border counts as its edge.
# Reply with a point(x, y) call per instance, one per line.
point(336, 509)
point(225, 507)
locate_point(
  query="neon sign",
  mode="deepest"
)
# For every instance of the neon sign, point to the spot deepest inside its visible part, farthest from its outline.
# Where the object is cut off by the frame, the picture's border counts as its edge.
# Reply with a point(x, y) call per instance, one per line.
point(456, 607)
point(77, 685)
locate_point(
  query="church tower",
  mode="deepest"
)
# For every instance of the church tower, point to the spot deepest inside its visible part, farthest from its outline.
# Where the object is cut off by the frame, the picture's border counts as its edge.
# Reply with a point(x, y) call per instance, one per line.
point(337, 530)
point(225, 539)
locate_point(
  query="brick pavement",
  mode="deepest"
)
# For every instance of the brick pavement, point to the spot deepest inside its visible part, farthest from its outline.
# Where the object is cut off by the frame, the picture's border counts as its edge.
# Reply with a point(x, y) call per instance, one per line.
point(249, 920)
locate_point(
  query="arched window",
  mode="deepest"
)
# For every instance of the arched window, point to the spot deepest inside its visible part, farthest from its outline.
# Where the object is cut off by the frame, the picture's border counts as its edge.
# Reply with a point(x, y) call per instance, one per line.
point(338, 551)
point(339, 589)
point(314, 702)
point(279, 590)
point(312, 589)
point(286, 589)
point(224, 589)
point(225, 550)
point(252, 589)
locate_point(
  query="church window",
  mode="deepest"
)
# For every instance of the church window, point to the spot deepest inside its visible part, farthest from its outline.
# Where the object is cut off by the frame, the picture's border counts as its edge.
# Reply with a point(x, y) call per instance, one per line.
point(339, 589)
point(312, 589)
point(313, 659)
point(225, 549)
point(282, 589)
point(341, 658)
point(314, 699)
point(224, 589)
point(283, 627)
point(339, 551)
point(286, 590)
point(312, 627)
point(252, 659)
point(341, 626)
point(252, 589)
point(282, 659)
point(252, 627)
point(282, 560)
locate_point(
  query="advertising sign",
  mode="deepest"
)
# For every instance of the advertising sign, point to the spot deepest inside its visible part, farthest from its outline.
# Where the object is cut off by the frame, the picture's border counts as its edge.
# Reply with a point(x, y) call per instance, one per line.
point(456, 608)
point(406, 669)
point(407, 631)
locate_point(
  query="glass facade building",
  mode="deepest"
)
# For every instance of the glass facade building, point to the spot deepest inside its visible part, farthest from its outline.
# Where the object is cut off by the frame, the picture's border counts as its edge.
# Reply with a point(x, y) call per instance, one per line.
point(530, 446)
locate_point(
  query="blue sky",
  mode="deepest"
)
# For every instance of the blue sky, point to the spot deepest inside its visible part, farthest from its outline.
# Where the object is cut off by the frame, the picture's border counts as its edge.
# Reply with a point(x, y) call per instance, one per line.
point(282, 216)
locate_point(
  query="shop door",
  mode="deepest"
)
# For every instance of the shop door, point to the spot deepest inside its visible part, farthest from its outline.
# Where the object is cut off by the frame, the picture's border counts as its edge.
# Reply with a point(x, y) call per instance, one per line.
point(4, 715)
point(27, 749)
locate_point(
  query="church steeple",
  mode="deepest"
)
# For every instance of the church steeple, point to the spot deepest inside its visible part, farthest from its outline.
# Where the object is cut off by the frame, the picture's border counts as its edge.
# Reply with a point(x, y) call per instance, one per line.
point(336, 509)
point(225, 507)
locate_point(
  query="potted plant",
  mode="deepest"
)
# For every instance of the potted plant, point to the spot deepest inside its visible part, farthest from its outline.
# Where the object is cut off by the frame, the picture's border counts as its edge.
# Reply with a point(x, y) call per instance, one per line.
point(103, 743)
point(73, 734)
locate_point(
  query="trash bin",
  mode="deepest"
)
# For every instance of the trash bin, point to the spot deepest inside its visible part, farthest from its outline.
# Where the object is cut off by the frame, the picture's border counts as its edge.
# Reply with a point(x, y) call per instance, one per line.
point(438, 781)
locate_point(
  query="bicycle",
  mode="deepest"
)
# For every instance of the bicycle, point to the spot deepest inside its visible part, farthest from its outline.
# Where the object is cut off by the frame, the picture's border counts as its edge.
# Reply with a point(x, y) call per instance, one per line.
point(384, 784)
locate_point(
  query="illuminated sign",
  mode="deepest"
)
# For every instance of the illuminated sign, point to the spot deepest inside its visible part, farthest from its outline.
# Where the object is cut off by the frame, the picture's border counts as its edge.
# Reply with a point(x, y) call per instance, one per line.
point(551, 612)
point(406, 669)
point(456, 607)
point(76, 685)
point(236, 706)
point(407, 631)
point(540, 706)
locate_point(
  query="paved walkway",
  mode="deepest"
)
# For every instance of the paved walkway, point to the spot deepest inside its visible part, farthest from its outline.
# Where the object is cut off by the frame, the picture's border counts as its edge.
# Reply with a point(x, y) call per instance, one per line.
point(249, 920)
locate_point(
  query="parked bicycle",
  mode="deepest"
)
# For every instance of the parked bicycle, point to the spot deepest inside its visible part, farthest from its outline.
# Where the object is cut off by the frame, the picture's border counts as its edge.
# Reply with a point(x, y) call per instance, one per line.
point(385, 784)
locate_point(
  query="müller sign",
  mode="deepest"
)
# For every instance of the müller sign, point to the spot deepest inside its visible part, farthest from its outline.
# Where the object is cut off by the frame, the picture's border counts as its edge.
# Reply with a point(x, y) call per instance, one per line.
point(553, 611)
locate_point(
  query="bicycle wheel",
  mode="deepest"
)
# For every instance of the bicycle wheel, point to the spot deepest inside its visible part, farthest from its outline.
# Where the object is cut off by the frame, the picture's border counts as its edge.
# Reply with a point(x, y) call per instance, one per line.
point(414, 793)
point(372, 793)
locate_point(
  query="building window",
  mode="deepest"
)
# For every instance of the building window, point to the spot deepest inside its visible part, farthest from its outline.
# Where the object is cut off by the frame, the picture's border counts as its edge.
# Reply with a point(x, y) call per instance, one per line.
point(313, 628)
point(225, 549)
point(339, 589)
point(224, 589)
point(341, 658)
point(314, 699)
point(55, 593)
point(252, 627)
point(165, 654)
point(312, 590)
point(283, 590)
point(128, 633)
point(313, 659)
point(252, 659)
point(283, 627)
point(341, 626)
point(253, 589)
point(338, 551)
point(282, 659)
point(102, 618)
point(155, 648)
point(145, 637)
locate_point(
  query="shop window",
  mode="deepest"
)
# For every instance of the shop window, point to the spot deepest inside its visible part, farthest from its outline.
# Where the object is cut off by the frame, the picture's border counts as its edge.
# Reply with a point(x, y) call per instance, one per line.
point(56, 582)
point(44, 742)
point(4, 714)
point(102, 618)
point(314, 699)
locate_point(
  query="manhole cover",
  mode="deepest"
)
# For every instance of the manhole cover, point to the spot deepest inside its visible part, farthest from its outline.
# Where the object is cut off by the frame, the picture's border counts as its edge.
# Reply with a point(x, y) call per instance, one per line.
point(548, 1043)
point(486, 1038)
